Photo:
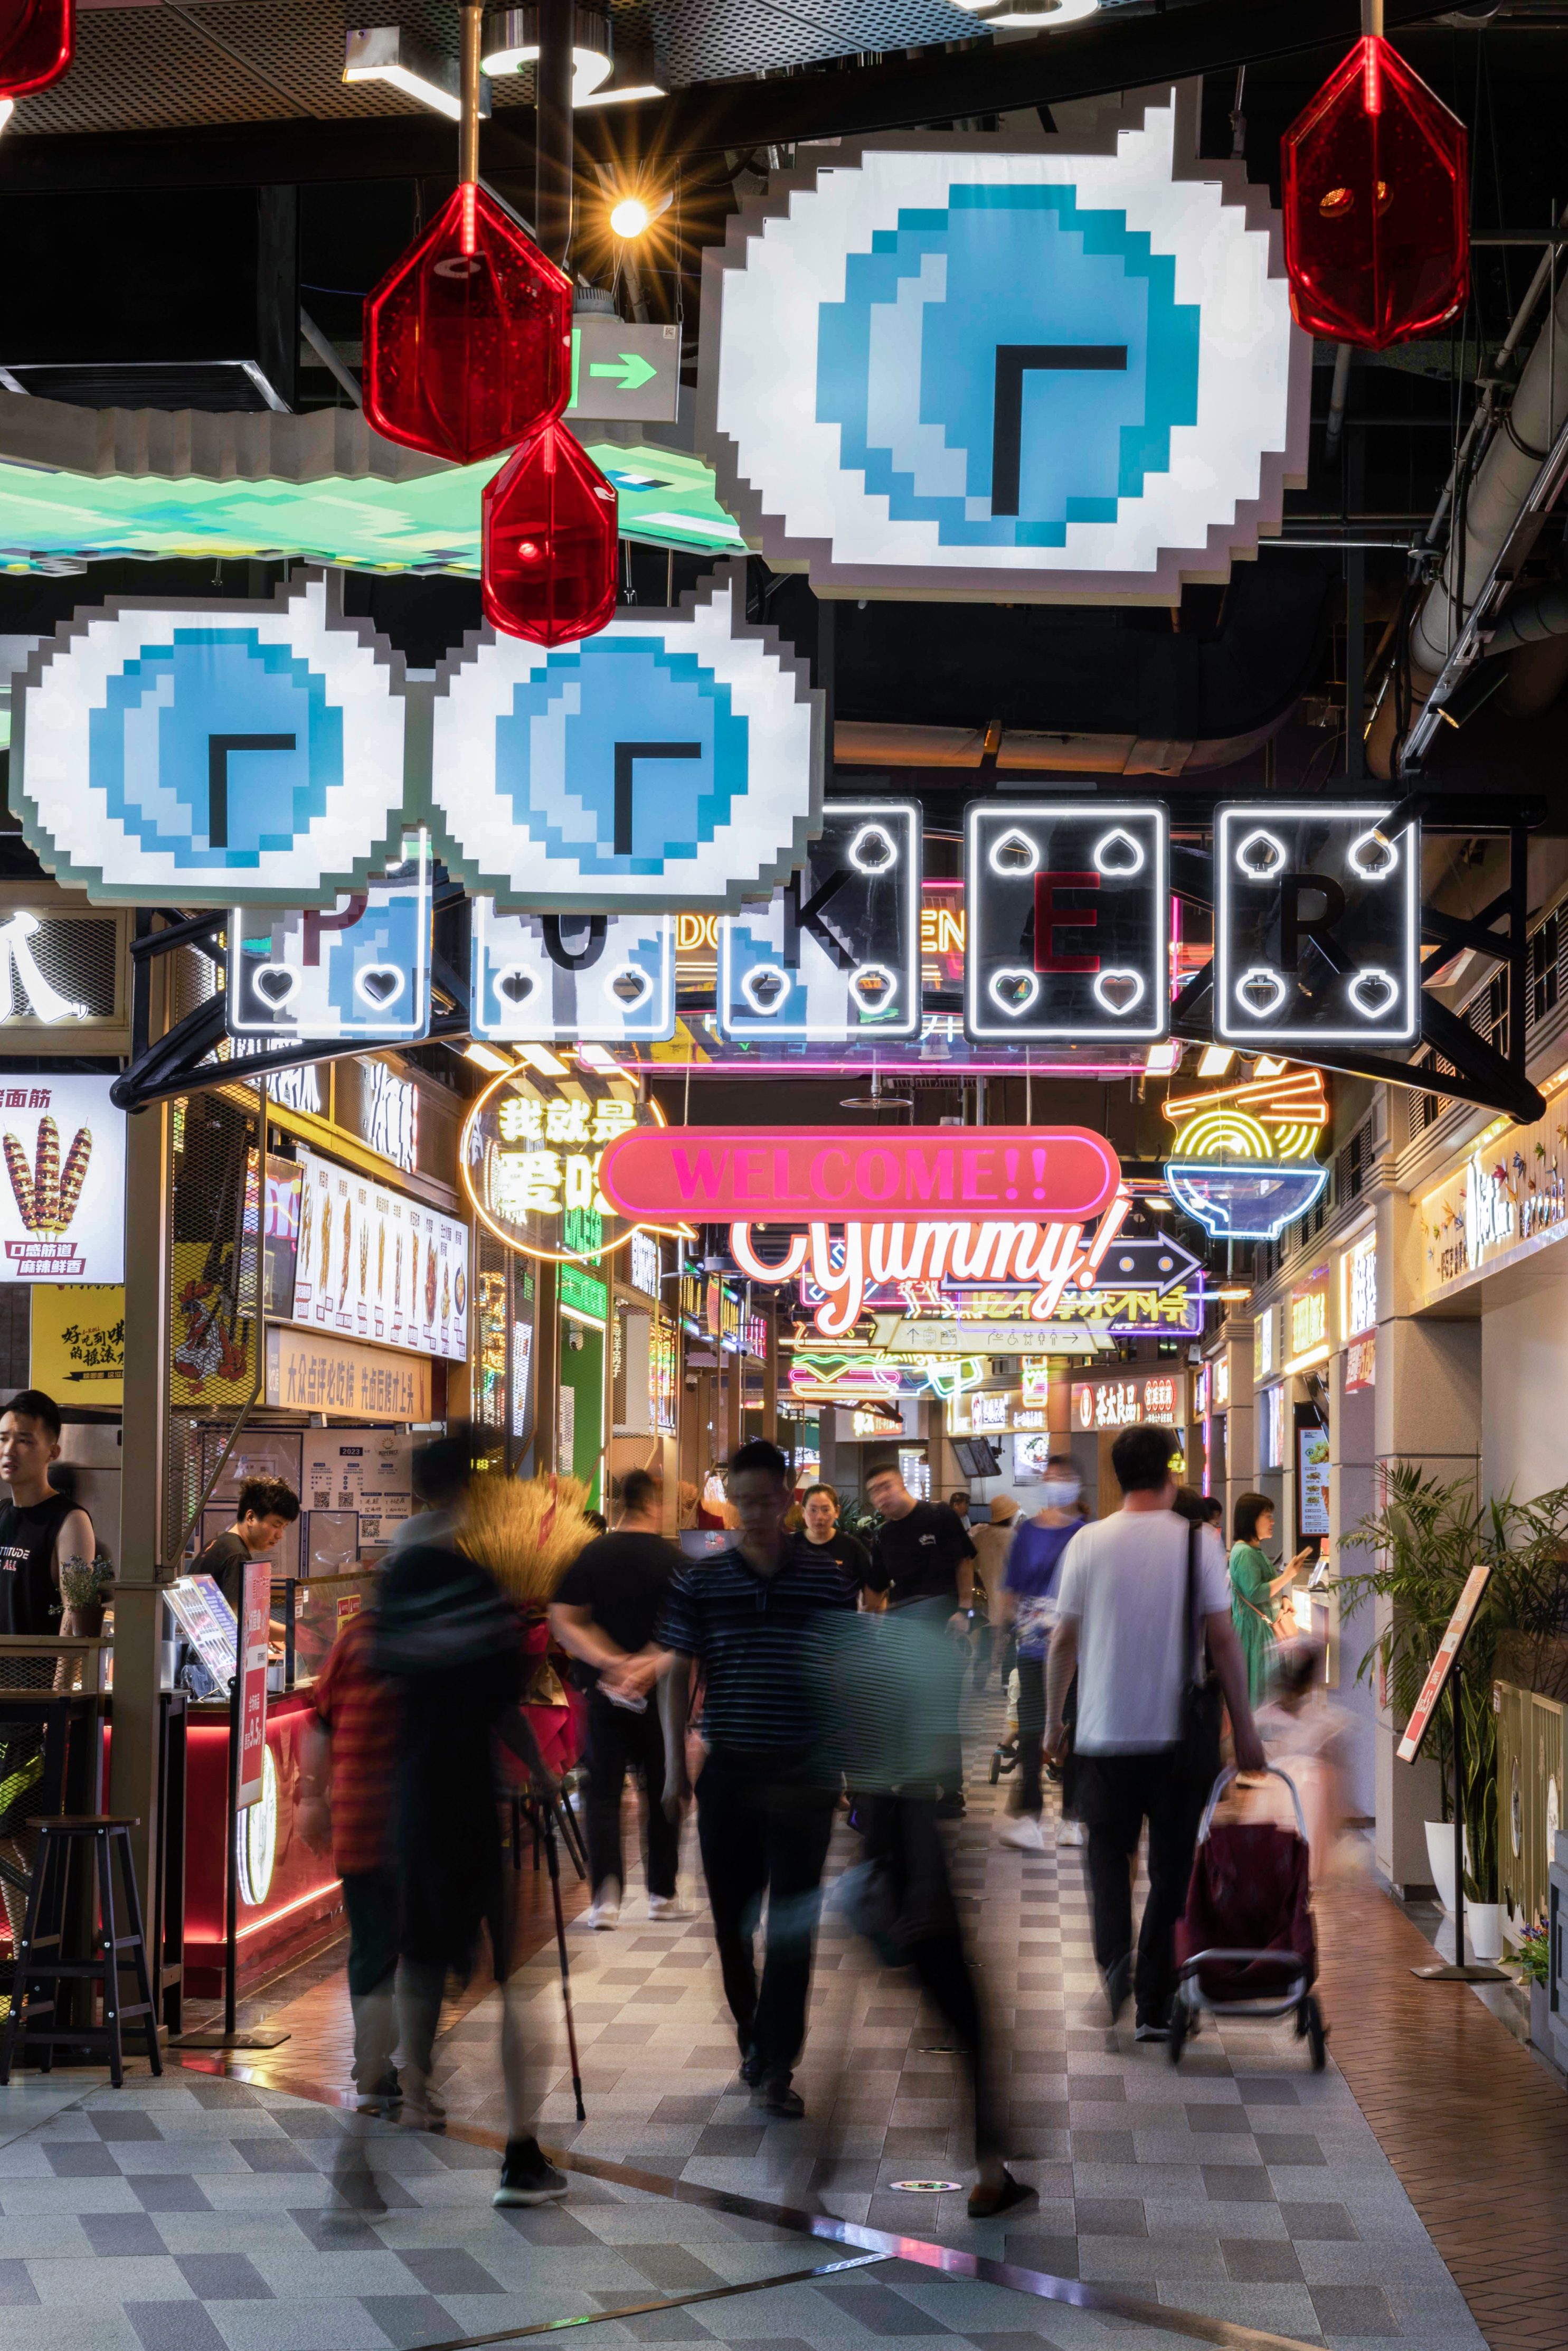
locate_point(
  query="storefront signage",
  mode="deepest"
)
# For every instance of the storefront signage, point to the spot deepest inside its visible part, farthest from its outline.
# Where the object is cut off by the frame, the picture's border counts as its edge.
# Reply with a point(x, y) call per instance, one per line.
point(674, 759)
point(898, 1336)
point(1264, 1326)
point(643, 1265)
point(1221, 1382)
point(389, 1114)
point(1360, 1364)
point(359, 970)
point(256, 1613)
point(1358, 1287)
point(309, 1372)
point(79, 1342)
point(662, 1372)
point(1136, 1283)
point(374, 1265)
point(1316, 925)
point(1307, 1321)
point(1508, 1199)
point(578, 1293)
point(1243, 1159)
point(1056, 367)
point(605, 978)
point(180, 753)
point(834, 956)
point(1271, 1427)
point(62, 1206)
point(1118, 1404)
point(532, 1159)
point(62, 970)
point(1067, 904)
point(791, 1173)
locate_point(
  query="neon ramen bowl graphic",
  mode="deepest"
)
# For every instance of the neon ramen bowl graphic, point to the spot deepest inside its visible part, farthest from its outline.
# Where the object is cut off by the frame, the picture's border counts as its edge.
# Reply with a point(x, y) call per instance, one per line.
point(1253, 1202)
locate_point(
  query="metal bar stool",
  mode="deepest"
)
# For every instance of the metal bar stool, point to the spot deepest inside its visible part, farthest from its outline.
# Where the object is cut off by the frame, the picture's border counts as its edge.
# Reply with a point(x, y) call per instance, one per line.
point(47, 1911)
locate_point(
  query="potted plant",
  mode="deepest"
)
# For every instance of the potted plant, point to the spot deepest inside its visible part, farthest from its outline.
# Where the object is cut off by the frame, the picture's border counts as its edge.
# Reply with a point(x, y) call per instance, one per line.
point(1534, 1957)
point(1426, 1537)
point(85, 1585)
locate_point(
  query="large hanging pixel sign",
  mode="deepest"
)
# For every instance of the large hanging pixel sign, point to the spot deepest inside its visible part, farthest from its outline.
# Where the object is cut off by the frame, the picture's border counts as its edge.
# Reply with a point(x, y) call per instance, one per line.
point(1062, 368)
point(228, 753)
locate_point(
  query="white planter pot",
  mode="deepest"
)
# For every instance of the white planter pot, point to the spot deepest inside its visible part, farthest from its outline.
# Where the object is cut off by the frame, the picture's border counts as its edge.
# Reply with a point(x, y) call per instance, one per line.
point(1483, 1931)
point(1440, 1861)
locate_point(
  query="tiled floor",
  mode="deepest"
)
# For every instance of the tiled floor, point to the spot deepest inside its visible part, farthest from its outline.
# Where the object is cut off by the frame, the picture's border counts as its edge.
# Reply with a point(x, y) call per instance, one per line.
point(1242, 2195)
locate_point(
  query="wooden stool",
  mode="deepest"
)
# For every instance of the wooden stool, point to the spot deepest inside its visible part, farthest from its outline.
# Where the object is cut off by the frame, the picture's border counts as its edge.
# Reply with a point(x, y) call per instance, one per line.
point(47, 1903)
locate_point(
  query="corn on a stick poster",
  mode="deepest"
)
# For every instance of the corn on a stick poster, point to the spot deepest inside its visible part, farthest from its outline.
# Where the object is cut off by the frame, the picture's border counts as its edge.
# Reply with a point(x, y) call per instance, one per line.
point(62, 1194)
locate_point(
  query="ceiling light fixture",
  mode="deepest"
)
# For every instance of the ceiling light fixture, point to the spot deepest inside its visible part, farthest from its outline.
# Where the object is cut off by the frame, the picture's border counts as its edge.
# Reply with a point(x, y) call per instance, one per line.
point(634, 213)
point(1034, 16)
point(1217, 1060)
point(392, 54)
point(487, 1059)
point(512, 42)
point(7, 109)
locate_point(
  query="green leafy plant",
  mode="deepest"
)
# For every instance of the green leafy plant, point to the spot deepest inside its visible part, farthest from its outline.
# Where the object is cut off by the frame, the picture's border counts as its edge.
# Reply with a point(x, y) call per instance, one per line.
point(85, 1582)
point(1426, 1537)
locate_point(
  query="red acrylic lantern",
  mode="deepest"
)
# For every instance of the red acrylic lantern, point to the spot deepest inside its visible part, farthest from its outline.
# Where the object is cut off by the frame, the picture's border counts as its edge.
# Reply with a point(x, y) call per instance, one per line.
point(36, 37)
point(547, 565)
point(1376, 241)
point(467, 341)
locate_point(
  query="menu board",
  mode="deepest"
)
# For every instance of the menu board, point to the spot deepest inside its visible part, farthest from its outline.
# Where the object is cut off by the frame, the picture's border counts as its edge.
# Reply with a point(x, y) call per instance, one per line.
point(374, 1264)
point(208, 1622)
point(366, 1471)
point(1312, 1481)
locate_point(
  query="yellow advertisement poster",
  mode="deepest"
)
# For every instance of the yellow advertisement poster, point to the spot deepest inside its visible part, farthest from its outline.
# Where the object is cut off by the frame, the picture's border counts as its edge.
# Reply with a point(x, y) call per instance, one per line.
point(214, 1331)
point(79, 1342)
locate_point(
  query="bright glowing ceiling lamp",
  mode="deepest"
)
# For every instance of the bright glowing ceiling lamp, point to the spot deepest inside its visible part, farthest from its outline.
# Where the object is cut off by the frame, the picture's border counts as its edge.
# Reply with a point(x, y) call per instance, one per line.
point(392, 54)
point(1163, 1059)
point(1031, 16)
point(486, 1057)
point(7, 109)
point(1217, 1060)
point(633, 215)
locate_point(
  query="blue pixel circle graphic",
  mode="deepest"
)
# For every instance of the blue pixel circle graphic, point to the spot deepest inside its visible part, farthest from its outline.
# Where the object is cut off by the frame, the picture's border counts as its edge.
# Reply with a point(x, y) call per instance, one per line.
point(215, 749)
point(622, 757)
point(1007, 365)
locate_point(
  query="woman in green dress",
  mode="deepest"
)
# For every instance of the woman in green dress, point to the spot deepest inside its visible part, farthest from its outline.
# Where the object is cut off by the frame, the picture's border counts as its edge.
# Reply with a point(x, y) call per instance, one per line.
point(1255, 1589)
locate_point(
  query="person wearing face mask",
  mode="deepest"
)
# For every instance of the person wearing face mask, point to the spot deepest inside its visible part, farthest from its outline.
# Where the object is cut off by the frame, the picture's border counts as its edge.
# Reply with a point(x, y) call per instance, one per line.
point(1027, 1601)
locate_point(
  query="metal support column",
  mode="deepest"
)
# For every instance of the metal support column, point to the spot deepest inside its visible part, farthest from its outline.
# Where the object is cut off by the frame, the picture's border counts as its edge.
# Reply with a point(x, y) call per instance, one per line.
point(553, 160)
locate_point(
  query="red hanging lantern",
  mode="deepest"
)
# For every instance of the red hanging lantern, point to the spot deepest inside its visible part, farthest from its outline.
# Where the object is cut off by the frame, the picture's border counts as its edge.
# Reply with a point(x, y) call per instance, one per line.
point(467, 339)
point(36, 37)
point(549, 547)
point(1376, 239)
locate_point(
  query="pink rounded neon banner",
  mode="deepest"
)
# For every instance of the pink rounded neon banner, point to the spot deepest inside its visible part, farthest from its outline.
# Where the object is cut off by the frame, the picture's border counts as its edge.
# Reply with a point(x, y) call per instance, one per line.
point(786, 1174)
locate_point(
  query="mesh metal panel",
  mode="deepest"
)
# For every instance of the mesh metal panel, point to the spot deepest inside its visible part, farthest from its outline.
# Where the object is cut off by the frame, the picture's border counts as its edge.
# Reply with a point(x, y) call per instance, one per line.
point(213, 1265)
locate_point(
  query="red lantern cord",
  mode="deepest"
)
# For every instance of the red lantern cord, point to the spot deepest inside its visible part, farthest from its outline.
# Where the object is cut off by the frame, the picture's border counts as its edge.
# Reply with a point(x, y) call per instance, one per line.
point(549, 547)
point(467, 339)
point(36, 40)
point(1376, 198)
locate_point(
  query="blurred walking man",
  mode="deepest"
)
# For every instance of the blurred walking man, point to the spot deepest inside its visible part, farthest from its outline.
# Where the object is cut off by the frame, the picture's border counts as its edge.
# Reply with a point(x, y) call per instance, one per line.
point(1126, 1622)
point(765, 1807)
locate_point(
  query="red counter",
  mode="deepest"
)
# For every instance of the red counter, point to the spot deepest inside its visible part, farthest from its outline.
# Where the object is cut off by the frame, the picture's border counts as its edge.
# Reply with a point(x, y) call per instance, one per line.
point(289, 1897)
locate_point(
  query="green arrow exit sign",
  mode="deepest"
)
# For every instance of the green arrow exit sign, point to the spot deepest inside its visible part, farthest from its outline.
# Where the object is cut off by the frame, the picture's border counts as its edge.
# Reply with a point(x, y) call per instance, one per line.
point(624, 373)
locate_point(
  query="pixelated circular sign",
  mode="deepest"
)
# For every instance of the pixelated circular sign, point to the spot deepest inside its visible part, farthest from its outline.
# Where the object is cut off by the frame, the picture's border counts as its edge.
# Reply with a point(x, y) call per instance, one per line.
point(212, 751)
point(531, 1157)
point(1063, 365)
point(672, 761)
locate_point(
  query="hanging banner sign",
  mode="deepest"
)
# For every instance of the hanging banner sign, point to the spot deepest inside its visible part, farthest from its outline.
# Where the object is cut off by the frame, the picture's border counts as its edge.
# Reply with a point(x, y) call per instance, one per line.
point(1448, 1648)
point(1317, 926)
point(835, 955)
point(308, 1372)
point(190, 752)
point(1067, 908)
point(674, 760)
point(790, 1173)
point(255, 1612)
point(1062, 368)
point(62, 1206)
point(604, 978)
point(359, 969)
point(1158, 1397)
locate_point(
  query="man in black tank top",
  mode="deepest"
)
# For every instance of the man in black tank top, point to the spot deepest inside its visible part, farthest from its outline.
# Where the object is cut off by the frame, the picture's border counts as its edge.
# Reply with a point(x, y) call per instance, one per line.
point(38, 1526)
point(38, 1529)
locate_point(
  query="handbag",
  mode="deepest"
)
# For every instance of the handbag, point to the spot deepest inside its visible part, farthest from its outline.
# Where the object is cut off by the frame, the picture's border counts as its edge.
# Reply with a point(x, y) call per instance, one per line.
point(1202, 1698)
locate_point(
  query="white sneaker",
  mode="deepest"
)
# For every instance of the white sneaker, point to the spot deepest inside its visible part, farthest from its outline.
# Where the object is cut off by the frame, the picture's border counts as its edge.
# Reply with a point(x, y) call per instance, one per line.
point(605, 1910)
point(669, 1906)
point(1073, 1832)
point(1024, 1830)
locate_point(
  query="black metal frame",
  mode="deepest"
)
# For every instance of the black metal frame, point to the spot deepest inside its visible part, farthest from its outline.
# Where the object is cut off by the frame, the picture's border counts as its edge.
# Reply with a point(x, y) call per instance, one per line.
point(177, 1063)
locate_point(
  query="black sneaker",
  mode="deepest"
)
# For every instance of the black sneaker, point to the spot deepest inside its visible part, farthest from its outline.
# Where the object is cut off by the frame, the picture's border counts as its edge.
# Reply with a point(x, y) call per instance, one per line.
point(988, 2203)
point(950, 1807)
point(1118, 1983)
point(775, 2096)
point(528, 2177)
point(1151, 2028)
point(751, 2069)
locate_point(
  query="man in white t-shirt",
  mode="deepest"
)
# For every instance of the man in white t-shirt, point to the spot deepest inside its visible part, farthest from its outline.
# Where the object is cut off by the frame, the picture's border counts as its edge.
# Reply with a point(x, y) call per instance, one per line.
point(1122, 1623)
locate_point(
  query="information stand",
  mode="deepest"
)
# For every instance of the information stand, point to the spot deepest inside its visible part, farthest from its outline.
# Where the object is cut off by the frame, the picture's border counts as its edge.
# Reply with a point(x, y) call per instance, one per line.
point(1447, 1673)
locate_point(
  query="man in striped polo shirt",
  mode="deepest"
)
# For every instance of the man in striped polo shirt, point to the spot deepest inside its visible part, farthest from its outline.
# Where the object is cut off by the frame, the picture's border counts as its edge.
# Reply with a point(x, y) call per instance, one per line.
point(765, 1809)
